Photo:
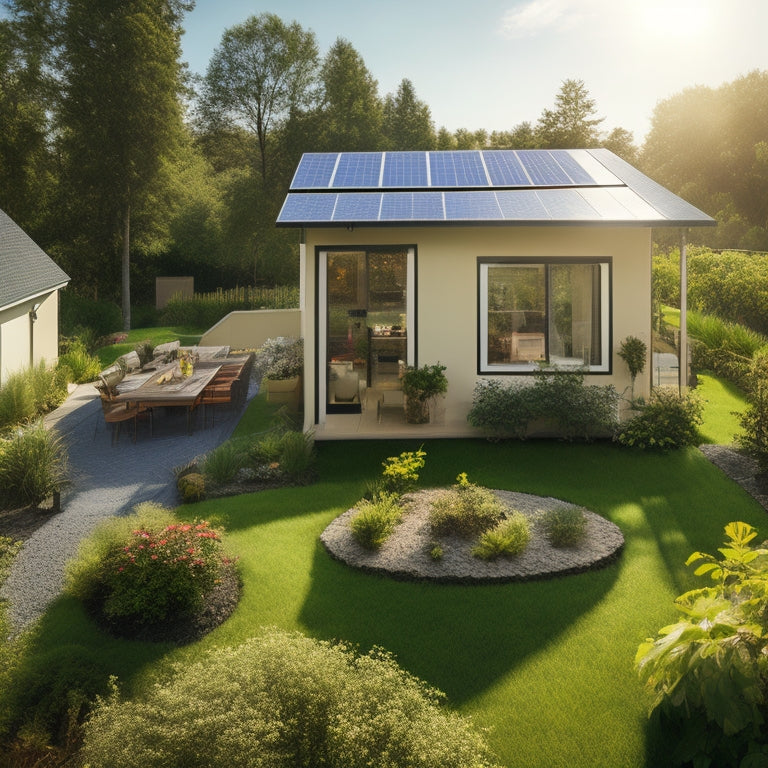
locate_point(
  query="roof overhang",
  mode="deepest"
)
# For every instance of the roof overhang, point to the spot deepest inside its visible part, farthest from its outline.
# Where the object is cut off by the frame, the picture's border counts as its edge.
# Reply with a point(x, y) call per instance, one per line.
point(31, 297)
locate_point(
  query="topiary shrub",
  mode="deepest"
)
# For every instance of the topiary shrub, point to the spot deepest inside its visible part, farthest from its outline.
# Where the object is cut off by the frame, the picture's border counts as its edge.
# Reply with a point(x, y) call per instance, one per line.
point(668, 420)
point(283, 700)
point(375, 520)
point(508, 537)
point(465, 510)
point(564, 526)
point(148, 570)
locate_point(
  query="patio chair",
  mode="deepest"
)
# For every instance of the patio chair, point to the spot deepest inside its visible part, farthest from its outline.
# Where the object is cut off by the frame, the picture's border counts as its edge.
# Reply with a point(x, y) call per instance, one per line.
point(218, 392)
point(116, 413)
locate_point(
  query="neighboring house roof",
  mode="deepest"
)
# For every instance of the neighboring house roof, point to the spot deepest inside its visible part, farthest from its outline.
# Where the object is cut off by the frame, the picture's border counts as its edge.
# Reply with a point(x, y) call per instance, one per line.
point(26, 270)
point(501, 187)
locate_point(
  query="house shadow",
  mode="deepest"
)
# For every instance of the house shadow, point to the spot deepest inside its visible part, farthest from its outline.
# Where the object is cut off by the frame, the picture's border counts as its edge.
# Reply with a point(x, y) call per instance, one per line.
point(460, 638)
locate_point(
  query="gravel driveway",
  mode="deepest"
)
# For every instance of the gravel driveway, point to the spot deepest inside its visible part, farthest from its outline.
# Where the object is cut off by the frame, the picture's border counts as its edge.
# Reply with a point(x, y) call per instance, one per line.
point(106, 480)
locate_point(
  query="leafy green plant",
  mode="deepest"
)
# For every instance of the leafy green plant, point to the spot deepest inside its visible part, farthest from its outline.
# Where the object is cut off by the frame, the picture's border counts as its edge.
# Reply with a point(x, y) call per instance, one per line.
point(754, 421)
point(280, 358)
point(502, 410)
point(709, 667)
point(436, 551)
point(191, 487)
point(667, 421)
point(284, 700)
point(375, 520)
point(33, 466)
point(83, 366)
point(564, 526)
point(508, 537)
point(156, 570)
point(419, 385)
point(297, 455)
point(633, 352)
point(465, 510)
point(401, 473)
point(222, 464)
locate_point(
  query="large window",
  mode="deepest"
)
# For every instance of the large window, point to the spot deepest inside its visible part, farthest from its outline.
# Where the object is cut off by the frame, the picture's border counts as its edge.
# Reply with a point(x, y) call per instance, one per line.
point(550, 312)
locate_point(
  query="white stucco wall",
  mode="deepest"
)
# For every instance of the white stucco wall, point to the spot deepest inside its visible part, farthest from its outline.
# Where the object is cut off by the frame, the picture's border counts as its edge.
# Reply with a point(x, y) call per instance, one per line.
point(15, 330)
point(447, 313)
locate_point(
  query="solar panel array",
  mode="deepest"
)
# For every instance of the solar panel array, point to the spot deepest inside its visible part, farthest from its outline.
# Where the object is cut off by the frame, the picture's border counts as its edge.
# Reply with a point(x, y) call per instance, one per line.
point(493, 186)
point(465, 169)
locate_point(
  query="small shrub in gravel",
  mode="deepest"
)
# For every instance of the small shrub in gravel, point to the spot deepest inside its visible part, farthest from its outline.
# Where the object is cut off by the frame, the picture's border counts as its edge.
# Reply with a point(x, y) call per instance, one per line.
point(564, 526)
point(147, 569)
point(401, 473)
point(375, 520)
point(508, 537)
point(465, 510)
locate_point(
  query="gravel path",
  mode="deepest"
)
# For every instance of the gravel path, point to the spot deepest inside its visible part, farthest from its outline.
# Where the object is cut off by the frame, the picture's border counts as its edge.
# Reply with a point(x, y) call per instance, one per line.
point(106, 480)
point(405, 554)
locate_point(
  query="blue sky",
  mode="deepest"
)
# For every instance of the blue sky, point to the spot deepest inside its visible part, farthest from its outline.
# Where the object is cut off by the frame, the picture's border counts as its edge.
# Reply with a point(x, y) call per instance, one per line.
point(495, 63)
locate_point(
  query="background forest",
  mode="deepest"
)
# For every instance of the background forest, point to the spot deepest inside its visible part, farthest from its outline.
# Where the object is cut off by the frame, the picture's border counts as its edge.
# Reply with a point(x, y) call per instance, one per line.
point(123, 167)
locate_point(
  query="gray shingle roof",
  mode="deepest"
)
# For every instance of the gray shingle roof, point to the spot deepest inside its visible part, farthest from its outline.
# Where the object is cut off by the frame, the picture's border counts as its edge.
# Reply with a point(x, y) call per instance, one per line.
point(26, 270)
point(480, 187)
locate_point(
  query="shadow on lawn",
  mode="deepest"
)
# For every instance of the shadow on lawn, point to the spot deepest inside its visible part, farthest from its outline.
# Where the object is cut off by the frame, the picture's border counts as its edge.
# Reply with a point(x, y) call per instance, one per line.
point(460, 638)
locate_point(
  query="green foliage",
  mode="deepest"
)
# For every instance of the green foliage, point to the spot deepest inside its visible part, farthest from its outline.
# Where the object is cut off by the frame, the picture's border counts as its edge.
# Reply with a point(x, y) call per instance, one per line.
point(8, 551)
point(507, 538)
point(33, 466)
point(87, 318)
point(280, 358)
point(83, 366)
point(204, 310)
point(564, 526)
point(283, 700)
point(147, 569)
point(376, 519)
point(30, 393)
point(401, 473)
point(425, 382)
point(191, 487)
point(633, 352)
point(667, 421)
point(709, 667)
point(575, 409)
point(297, 455)
point(436, 551)
point(754, 420)
point(465, 510)
point(221, 465)
point(572, 123)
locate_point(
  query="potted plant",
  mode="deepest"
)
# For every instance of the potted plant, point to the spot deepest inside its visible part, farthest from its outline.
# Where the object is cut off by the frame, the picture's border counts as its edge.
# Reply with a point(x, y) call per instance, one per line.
point(420, 385)
point(633, 352)
point(280, 361)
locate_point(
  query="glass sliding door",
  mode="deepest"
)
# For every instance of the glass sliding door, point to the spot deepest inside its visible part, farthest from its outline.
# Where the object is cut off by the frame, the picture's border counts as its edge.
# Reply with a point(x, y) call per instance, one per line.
point(365, 340)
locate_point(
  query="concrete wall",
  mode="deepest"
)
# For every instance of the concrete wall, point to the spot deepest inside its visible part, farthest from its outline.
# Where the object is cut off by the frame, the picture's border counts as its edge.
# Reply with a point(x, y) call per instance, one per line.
point(167, 287)
point(15, 328)
point(447, 291)
point(250, 329)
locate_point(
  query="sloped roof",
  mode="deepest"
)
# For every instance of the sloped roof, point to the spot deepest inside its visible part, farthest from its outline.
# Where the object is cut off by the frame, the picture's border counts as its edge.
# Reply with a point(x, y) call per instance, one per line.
point(480, 187)
point(25, 269)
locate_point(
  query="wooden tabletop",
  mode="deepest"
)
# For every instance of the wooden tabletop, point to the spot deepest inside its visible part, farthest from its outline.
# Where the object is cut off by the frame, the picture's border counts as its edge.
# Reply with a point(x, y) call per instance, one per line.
point(183, 390)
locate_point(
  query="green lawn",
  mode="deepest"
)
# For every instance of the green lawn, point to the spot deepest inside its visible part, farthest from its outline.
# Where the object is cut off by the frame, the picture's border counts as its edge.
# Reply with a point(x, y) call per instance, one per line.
point(546, 666)
point(723, 402)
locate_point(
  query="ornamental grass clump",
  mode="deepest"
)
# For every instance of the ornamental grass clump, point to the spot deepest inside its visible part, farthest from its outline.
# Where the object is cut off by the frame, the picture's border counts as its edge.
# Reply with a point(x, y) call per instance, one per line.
point(507, 538)
point(564, 526)
point(465, 510)
point(147, 569)
point(375, 520)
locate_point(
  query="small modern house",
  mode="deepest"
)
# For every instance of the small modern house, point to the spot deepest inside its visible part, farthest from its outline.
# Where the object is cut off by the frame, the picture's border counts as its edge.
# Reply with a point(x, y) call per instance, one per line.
point(492, 263)
point(30, 282)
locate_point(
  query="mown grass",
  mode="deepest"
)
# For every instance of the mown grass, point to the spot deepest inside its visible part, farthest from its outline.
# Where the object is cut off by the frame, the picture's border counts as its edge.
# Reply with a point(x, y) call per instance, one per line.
point(546, 666)
point(723, 402)
point(188, 336)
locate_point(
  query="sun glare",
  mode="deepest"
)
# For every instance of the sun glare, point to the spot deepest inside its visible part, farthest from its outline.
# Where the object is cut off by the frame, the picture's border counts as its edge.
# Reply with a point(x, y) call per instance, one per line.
point(676, 19)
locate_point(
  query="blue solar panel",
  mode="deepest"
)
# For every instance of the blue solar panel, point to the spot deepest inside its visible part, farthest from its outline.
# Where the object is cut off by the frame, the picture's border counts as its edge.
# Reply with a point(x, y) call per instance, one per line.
point(357, 206)
point(505, 169)
point(572, 167)
point(314, 171)
point(543, 169)
point(405, 169)
point(471, 206)
point(428, 206)
point(358, 170)
point(521, 205)
point(457, 169)
point(308, 206)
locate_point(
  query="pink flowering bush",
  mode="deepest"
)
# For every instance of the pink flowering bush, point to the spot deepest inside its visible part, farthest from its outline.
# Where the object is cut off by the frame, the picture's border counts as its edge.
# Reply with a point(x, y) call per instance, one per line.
point(148, 569)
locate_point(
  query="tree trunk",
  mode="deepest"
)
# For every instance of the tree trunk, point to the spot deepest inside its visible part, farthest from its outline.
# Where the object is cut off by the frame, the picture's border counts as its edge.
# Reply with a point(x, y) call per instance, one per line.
point(126, 265)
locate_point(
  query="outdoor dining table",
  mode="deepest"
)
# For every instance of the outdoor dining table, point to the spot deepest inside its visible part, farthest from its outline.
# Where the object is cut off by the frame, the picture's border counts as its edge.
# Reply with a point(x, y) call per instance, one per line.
point(180, 391)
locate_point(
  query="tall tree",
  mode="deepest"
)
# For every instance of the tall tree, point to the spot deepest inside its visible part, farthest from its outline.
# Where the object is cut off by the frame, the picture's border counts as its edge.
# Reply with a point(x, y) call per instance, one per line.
point(407, 120)
point(262, 71)
point(121, 115)
point(352, 112)
point(571, 123)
